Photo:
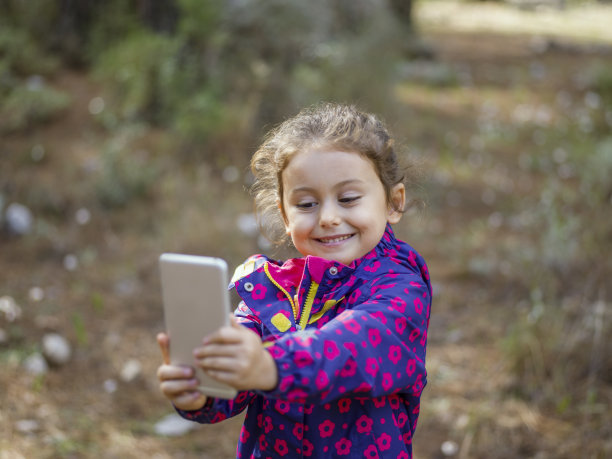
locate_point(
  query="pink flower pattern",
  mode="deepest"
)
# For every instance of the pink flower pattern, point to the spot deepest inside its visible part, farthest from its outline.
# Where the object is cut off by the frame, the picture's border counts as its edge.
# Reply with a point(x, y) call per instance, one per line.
point(350, 383)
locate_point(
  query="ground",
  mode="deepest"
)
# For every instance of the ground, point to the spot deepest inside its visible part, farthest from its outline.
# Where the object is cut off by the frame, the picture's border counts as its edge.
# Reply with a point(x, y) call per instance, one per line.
point(109, 306)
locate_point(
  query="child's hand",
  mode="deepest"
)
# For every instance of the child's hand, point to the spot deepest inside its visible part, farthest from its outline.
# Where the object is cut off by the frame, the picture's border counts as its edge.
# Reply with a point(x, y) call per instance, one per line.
point(235, 355)
point(178, 383)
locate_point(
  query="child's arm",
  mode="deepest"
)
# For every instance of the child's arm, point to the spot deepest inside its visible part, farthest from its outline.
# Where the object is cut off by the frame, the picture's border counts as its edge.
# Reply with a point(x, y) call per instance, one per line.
point(178, 383)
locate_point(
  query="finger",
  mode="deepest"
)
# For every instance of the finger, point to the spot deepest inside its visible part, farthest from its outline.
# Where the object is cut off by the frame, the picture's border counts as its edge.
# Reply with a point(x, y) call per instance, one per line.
point(171, 372)
point(174, 388)
point(189, 401)
point(227, 334)
point(220, 350)
point(164, 345)
point(221, 376)
point(220, 364)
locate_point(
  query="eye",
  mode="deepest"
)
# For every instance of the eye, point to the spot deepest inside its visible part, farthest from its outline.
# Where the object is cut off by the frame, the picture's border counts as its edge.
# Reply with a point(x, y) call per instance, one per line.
point(306, 205)
point(349, 199)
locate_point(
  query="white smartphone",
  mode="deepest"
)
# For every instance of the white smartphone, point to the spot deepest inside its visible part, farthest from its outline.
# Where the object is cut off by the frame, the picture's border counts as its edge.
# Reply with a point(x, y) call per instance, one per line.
point(196, 303)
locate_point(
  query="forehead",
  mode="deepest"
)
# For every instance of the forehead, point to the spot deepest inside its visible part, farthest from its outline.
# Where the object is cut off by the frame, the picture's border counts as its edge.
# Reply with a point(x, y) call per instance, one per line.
point(329, 164)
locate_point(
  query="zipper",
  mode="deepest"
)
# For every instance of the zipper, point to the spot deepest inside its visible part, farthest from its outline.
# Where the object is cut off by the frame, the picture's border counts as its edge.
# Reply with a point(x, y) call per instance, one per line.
point(301, 320)
point(312, 292)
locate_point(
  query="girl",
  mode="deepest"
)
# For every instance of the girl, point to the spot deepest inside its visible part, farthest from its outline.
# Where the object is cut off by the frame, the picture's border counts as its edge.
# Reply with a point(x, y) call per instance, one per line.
point(328, 350)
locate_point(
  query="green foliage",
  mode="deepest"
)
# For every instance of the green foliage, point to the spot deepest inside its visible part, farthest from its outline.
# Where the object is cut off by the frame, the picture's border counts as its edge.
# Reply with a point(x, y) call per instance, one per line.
point(216, 66)
point(97, 301)
point(25, 107)
point(141, 69)
point(110, 27)
point(25, 103)
point(34, 16)
point(602, 82)
point(199, 22)
point(21, 55)
point(125, 175)
point(80, 330)
point(250, 64)
point(556, 349)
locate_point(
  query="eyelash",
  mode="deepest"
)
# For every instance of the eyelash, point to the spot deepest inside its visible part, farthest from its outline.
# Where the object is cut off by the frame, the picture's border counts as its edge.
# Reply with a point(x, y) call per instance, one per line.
point(343, 201)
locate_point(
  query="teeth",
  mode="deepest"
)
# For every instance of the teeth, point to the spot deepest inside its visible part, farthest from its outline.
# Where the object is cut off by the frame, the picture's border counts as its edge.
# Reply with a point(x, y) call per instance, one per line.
point(335, 239)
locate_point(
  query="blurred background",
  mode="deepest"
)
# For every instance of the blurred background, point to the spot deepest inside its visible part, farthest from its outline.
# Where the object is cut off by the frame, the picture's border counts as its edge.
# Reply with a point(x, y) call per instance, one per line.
point(126, 129)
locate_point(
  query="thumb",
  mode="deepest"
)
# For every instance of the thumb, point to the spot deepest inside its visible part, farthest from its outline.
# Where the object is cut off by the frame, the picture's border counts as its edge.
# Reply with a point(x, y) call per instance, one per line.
point(164, 346)
point(233, 322)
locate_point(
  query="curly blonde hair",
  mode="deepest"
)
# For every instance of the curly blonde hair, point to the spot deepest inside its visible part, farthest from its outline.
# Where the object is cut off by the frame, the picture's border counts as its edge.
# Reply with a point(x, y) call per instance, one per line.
point(336, 126)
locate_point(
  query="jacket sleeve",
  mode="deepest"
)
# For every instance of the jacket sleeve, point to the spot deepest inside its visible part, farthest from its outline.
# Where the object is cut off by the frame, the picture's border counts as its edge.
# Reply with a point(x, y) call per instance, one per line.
point(374, 347)
point(218, 409)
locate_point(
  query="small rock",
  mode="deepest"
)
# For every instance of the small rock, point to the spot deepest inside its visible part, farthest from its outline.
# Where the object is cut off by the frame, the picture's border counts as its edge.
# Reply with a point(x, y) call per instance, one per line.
point(71, 262)
point(56, 349)
point(96, 105)
point(27, 426)
point(126, 287)
point(110, 386)
point(35, 82)
point(449, 448)
point(18, 219)
point(36, 294)
point(3, 336)
point(37, 153)
point(82, 216)
point(9, 309)
point(131, 370)
point(36, 364)
point(173, 425)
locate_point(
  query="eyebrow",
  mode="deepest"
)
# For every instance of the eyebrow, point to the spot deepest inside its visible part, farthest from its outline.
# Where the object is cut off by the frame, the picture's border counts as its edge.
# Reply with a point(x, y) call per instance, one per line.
point(337, 185)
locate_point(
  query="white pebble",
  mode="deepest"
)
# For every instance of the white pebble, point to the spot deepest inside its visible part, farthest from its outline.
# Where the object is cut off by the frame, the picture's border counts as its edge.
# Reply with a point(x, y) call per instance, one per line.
point(96, 105)
point(19, 219)
point(36, 294)
point(82, 216)
point(56, 349)
point(173, 425)
point(36, 364)
point(9, 308)
point(27, 426)
point(37, 153)
point(35, 83)
point(71, 262)
point(131, 370)
point(110, 386)
point(449, 448)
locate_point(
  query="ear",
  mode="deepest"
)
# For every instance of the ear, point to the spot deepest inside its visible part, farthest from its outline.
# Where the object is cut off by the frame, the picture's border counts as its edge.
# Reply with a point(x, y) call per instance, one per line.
point(397, 203)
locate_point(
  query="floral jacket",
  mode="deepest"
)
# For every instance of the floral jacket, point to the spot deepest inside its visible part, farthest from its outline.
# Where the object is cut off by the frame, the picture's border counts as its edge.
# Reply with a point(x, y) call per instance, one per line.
point(349, 343)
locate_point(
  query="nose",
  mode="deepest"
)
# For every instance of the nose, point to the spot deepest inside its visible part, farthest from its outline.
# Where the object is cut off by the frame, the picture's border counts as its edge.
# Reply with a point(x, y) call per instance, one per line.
point(329, 215)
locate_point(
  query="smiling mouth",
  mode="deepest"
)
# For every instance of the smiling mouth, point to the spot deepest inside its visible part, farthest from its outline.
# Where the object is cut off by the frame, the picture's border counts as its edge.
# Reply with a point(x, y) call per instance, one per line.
point(334, 239)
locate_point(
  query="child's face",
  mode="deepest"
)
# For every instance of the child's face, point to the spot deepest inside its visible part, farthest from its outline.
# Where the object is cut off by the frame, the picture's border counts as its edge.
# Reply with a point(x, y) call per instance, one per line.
point(334, 204)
